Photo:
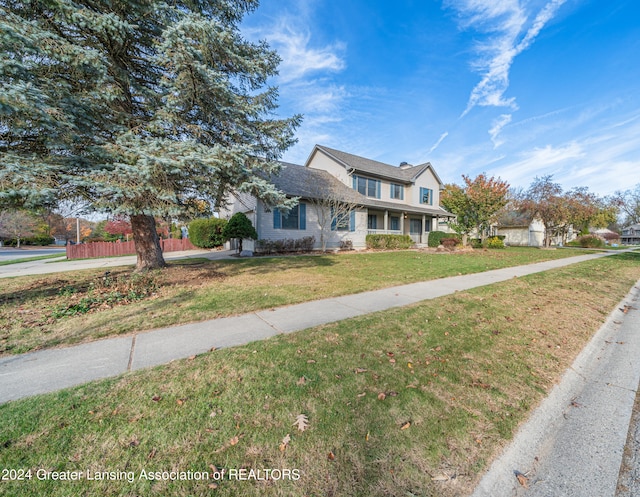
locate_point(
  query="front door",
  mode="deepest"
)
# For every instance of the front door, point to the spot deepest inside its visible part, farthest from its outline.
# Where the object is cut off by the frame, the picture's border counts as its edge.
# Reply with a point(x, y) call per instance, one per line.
point(415, 229)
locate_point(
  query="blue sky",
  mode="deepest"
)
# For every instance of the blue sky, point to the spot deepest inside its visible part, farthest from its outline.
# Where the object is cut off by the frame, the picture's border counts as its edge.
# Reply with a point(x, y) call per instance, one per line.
point(516, 89)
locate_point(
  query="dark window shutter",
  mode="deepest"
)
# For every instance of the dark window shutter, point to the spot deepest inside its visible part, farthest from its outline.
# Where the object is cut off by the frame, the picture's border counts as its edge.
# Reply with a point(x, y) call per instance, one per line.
point(277, 219)
point(302, 212)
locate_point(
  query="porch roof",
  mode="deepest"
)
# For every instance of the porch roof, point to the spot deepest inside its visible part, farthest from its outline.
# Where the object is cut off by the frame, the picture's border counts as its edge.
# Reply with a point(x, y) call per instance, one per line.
point(409, 209)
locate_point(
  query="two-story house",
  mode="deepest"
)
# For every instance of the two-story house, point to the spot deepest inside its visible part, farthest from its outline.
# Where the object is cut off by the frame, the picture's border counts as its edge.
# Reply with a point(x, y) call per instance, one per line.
point(631, 235)
point(386, 199)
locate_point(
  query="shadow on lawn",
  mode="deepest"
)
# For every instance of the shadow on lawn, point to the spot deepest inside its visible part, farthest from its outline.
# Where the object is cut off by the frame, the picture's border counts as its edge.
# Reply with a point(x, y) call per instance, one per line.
point(268, 264)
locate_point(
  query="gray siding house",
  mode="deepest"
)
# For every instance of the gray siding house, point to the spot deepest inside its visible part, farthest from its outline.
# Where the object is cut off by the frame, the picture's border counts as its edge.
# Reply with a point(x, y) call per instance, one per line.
point(385, 199)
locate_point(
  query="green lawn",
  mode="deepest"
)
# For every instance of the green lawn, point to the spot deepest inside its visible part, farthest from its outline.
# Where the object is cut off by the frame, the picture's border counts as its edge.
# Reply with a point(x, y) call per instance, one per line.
point(411, 401)
point(45, 311)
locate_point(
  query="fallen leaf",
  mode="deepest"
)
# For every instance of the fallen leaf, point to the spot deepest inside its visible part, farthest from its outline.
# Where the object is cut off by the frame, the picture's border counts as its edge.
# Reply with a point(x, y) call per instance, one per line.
point(311, 361)
point(191, 357)
point(409, 365)
point(213, 486)
point(302, 422)
point(382, 396)
point(440, 477)
point(405, 425)
point(152, 454)
point(156, 398)
point(360, 370)
point(366, 438)
point(331, 456)
point(522, 479)
point(301, 381)
point(234, 440)
point(180, 401)
point(392, 361)
point(362, 394)
point(285, 443)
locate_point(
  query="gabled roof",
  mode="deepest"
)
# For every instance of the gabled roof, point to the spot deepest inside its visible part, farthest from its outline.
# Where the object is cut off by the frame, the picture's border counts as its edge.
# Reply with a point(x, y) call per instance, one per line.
point(514, 219)
point(306, 182)
point(355, 163)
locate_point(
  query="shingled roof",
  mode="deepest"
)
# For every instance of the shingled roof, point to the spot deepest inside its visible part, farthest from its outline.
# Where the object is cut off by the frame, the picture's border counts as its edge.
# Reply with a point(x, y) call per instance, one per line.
point(406, 174)
point(306, 182)
point(309, 183)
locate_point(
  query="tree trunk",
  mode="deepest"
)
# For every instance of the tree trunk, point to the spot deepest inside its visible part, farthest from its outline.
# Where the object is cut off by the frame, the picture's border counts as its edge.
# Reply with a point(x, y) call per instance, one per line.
point(147, 243)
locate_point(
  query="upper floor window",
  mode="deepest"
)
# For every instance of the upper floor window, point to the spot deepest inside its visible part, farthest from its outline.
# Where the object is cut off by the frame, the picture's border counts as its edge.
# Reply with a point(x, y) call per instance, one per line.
point(397, 191)
point(426, 196)
point(367, 186)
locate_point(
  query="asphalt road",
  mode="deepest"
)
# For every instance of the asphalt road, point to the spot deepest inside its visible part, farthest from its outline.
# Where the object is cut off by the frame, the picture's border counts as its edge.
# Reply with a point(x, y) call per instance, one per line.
point(11, 253)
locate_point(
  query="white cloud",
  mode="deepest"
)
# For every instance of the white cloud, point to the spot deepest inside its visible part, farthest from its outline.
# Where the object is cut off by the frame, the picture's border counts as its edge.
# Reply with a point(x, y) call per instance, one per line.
point(496, 129)
point(299, 59)
point(437, 144)
point(509, 28)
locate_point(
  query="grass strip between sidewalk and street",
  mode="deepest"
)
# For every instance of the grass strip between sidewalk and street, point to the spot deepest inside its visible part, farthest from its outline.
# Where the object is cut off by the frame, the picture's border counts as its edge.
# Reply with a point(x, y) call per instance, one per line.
point(410, 401)
point(32, 259)
point(38, 312)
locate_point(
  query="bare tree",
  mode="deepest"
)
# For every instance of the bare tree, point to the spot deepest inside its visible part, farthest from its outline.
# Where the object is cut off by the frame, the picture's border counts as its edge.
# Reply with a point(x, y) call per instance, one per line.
point(628, 202)
point(333, 206)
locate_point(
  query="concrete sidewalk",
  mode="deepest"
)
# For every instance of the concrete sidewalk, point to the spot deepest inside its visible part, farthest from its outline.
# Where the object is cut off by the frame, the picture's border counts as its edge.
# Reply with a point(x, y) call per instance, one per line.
point(54, 369)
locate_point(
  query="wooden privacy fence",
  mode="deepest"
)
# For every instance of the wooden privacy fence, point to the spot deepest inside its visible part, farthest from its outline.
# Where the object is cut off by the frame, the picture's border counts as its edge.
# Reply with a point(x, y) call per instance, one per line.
point(107, 249)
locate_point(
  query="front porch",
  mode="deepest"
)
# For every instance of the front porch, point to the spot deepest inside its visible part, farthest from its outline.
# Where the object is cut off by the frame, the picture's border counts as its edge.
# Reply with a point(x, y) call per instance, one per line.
point(389, 222)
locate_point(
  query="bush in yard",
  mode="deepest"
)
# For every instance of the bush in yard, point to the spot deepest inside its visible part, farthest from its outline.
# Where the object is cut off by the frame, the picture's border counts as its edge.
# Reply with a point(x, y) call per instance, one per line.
point(239, 227)
point(207, 233)
point(435, 237)
point(391, 242)
point(591, 241)
point(286, 245)
point(495, 242)
point(450, 243)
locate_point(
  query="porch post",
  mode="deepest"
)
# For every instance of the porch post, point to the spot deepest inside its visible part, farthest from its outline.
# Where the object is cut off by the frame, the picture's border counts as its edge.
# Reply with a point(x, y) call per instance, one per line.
point(424, 227)
point(386, 220)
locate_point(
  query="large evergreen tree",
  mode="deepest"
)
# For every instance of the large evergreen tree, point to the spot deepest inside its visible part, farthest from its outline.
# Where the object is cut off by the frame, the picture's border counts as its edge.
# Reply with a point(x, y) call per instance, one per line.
point(141, 107)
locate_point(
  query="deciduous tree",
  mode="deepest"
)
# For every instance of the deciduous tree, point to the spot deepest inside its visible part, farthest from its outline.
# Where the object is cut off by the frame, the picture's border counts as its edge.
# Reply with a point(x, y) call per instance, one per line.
point(141, 108)
point(475, 204)
point(545, 199)
point(17, 224)
point(628, 202)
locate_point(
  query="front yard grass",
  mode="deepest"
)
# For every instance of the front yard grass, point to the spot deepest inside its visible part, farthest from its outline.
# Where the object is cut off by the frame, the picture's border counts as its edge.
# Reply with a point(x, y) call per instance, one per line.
point(410, 401)
point(44, 311)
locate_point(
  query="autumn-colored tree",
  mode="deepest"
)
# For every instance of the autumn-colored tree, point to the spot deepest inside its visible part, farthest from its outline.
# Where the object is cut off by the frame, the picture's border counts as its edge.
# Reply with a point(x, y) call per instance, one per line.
point(119, 226)
point(587, 210)
point(475, 204)
point(545, 199)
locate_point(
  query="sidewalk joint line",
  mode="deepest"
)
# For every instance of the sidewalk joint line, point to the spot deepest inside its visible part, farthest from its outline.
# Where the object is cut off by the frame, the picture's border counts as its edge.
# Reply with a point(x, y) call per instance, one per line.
point(268, 323)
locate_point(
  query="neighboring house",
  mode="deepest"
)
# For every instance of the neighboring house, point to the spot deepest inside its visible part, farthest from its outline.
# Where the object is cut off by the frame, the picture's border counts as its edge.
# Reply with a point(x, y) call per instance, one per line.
point(608, 235)
point(523, 230)
point(631, 235)
point(520, 229)
point(386, 200)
